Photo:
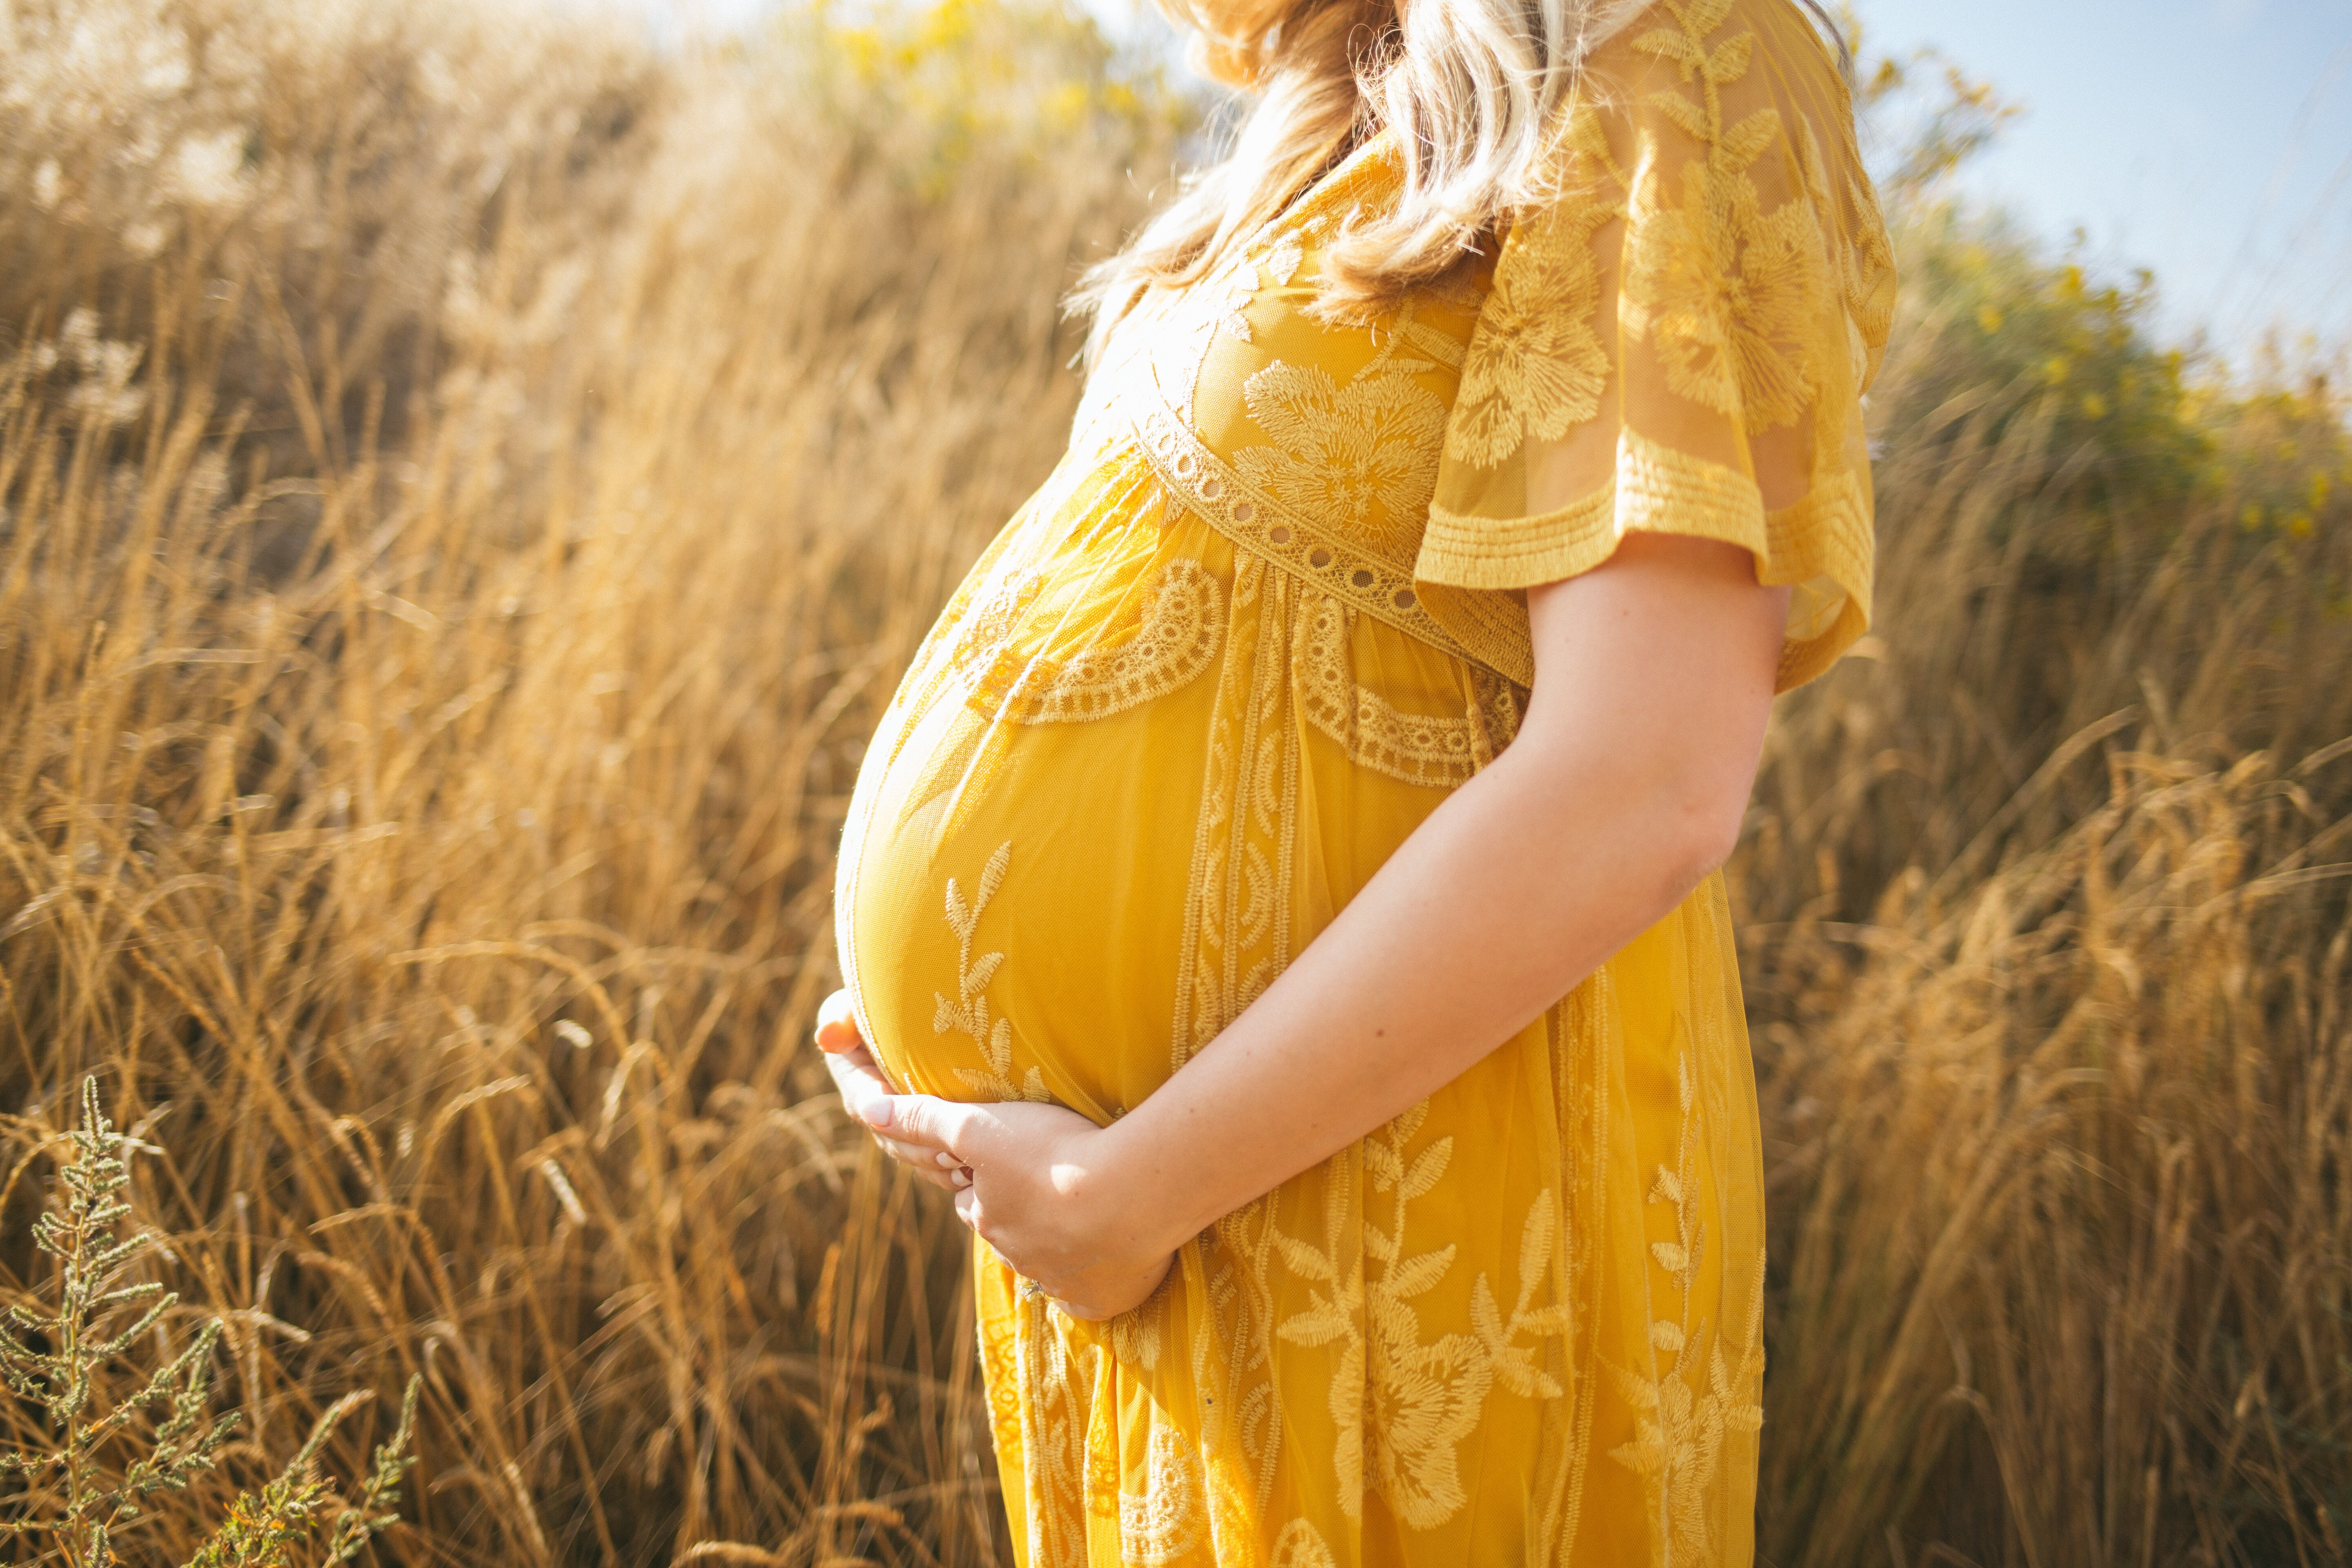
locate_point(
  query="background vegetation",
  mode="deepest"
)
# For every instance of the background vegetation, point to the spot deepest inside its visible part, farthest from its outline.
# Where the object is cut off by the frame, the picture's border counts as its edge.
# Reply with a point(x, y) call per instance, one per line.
point(466, 489)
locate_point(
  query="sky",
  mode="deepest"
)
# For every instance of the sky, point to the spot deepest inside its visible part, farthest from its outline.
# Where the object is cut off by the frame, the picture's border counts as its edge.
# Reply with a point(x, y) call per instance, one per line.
point(2208, 141)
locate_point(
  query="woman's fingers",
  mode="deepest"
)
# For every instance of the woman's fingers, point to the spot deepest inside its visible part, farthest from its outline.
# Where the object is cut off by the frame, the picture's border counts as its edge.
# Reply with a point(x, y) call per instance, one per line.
point(928, 1161)
point(939, 1179)
point(836, 1023)
point(857, 1075)
point(923, 1164)
point(863, 1088)
point(858, 1079)
point(860, 1098)
point(940, 1124)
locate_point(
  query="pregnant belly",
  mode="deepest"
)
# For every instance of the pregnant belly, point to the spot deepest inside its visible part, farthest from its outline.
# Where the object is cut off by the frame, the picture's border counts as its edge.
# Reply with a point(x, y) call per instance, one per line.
point(1127, 780)
point(1012, 902)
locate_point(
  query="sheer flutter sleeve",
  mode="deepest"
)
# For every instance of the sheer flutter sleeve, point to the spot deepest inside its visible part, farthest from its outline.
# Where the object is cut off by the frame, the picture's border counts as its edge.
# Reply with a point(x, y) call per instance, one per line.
point(1678, 339)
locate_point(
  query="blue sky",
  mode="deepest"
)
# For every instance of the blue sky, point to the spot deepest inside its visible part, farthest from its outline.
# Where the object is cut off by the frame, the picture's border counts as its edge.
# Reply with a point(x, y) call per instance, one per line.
point(2210, 140)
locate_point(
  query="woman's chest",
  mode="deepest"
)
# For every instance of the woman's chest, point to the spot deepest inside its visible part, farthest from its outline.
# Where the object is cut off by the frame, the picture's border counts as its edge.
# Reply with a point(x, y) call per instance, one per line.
point(1285, 427)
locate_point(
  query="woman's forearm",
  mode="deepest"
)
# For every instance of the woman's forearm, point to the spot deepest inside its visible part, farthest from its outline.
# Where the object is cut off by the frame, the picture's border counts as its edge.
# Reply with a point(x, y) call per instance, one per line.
point(1491, 912)
point(1617, 798)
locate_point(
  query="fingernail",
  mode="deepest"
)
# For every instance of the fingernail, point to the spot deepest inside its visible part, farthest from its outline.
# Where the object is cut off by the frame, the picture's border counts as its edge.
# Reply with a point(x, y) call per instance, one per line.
point(944, 1158)
point(875, 1112)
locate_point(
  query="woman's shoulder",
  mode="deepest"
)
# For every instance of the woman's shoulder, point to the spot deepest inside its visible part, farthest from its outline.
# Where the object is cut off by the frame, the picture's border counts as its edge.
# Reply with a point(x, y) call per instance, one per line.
point(1722, 41)
point(1680, 328)
point(1721, 125)
point(1735, 81)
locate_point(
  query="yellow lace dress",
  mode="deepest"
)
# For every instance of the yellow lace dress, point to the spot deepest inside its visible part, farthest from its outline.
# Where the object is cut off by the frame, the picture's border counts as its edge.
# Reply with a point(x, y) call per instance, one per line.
point(1260, 620)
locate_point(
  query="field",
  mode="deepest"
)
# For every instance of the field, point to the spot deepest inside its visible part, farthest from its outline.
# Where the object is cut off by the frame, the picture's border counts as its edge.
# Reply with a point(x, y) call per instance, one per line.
point(467, 487)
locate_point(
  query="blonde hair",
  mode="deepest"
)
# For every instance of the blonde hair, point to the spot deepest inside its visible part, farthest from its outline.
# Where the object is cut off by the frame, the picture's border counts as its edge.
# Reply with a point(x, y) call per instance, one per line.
point(1468, 87)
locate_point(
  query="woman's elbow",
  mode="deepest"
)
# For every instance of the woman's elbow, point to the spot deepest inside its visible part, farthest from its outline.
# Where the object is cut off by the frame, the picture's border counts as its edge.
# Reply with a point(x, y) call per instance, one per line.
point(1674, 795)
point(1704, 826)
point(1713, 841)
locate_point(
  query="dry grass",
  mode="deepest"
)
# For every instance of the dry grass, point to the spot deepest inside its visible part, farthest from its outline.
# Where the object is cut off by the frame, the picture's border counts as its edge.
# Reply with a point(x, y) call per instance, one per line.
point(2047, 950)
point(427, 724)
point(467, 493)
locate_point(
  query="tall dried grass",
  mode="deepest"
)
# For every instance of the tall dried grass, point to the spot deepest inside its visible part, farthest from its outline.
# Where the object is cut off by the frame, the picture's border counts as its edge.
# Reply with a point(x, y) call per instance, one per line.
point(2046, 943)
point(469, 485)
point(452, 563)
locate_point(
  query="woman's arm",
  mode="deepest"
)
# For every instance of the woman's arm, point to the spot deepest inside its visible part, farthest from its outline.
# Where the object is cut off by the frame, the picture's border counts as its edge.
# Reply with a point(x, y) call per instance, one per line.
point(1625, 786)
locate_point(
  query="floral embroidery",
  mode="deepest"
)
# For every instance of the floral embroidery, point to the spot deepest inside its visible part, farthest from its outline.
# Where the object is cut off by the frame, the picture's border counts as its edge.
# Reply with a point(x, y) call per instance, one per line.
point(999, 1364)
point(1282, 262)
point(1706, 263)
point(1238, 287)
point(969, 1012)
point(1300, 1546)
point(1425, 1397)
point(1865, 268)
point(1537, 1372)
point(1730, 294)
point(1536, 365)
point(1514, 1363)
point(1679, 1431)
point(1439, 347)
point(1055, 1379)
point(1364, 454)
point(1135, 1336)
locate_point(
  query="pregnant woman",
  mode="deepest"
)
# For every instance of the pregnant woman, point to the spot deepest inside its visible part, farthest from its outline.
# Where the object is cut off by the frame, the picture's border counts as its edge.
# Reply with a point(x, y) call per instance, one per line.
point(1281, 901)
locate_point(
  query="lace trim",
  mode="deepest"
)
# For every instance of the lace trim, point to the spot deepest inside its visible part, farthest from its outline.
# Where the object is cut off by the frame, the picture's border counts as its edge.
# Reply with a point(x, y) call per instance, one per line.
point(1656, 488)
point(1418, 748)
point(1056, 1381)
point(1820, 545)
point(1179, 635)
point(1823, 545)
point(1145, 654)
point(1303, 549)
point(1471, 552)
point(1827, 534)
point(1163, 1523)
point(1668, 491)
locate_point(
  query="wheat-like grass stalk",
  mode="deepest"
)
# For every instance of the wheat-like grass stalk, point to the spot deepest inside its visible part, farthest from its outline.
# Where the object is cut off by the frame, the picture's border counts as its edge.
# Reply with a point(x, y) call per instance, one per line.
point(60, 1357)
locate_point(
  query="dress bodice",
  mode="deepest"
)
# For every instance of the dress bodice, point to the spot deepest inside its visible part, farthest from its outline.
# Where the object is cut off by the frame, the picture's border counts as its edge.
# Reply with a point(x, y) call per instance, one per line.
point(1313, 444)
point(1677, 337)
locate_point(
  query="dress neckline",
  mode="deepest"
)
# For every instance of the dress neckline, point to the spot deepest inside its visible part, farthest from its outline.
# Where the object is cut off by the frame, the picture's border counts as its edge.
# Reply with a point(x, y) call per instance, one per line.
point(1345, 174)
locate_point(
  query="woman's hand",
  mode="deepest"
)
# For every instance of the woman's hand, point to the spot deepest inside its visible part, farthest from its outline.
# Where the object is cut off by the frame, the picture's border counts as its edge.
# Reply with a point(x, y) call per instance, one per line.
point(1030, 1180)
point(860, 1081)
point(1036, 1184)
